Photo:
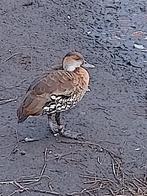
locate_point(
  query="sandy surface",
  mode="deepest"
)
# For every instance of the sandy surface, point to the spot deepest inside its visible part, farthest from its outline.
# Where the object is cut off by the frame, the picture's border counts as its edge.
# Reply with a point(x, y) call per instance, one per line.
point(34, 36)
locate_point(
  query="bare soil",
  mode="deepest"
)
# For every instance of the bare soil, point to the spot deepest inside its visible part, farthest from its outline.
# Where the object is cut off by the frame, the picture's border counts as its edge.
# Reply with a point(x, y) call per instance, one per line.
point(112, 157)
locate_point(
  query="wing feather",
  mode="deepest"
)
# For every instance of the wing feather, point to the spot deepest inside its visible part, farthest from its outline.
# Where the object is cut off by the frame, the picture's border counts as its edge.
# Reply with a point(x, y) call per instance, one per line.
point(56, 82)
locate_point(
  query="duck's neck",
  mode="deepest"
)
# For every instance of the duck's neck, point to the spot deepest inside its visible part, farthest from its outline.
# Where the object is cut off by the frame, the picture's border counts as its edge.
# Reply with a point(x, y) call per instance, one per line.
point(83, 74)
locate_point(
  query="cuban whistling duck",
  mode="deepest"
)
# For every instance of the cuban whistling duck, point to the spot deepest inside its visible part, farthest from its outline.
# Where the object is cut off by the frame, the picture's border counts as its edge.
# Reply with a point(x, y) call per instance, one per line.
point(57, 91)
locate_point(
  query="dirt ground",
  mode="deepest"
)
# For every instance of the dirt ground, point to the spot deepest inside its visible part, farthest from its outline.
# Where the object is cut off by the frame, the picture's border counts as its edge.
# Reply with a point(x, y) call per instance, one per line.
point(112, 157)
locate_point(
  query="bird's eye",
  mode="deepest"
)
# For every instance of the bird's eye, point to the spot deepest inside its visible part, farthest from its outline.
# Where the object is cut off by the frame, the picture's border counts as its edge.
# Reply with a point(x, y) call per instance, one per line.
point(77, 58)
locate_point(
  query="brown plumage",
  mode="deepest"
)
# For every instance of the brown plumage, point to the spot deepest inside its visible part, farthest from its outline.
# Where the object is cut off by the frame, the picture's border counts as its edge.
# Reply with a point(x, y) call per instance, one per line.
point(56, 91)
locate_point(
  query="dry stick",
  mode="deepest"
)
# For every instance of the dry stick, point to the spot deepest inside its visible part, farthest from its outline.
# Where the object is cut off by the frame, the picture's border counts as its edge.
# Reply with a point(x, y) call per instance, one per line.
point(130, 187)
point(102, 183)
point(90, 193)
point(133, 184)
point(85, 190)
point(18, 184)
point(16, 191)
point(98, 160)
point(6, 182)
point(35, 190)
point(112, 154)
point(45, 164)
point(50, 187)
point(99, 180)
point(114, 172)
point(140, 182)
point(138, 188)
point(7, 59)
point(73, 193)
point(60, 156)
point(41, 176)
point(7, 101)
point(111, 192)
point(93, 187)
point(31, 181)
point(22, 189)
point(74, 161)
point(44, 191)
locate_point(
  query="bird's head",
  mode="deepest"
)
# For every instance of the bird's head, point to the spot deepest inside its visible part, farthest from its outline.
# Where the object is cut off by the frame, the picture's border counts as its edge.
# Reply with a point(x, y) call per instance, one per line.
point(73, 60)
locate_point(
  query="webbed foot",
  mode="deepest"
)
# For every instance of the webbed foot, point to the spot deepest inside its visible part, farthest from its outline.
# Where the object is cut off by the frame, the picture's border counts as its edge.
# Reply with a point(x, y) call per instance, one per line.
point(69, 134)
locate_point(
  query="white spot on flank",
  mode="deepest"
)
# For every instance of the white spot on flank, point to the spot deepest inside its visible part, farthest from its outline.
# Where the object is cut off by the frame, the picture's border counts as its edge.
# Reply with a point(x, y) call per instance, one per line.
point(58, 105)
point(63, 107)
point(52, 106)
point(88, 32)
point(53, 97)
point(46, 108)
point(60, 100)
point(139, 46)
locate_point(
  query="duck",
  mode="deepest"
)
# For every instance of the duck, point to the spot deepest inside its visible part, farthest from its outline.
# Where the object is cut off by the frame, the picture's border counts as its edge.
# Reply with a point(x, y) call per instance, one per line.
point(57, 91)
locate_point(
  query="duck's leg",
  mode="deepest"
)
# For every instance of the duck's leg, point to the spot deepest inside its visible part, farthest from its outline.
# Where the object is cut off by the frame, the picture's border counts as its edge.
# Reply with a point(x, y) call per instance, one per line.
point(54, 127)
point(62, 131)
point(57, 119)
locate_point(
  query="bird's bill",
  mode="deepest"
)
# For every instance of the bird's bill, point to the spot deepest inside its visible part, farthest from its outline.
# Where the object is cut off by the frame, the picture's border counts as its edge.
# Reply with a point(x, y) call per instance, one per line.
point(88, 65)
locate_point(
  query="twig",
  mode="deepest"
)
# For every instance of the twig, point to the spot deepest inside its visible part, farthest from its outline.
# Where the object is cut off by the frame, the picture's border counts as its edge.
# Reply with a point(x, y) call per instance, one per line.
point(114, 172)
point(6, 182)
point(111, 191)
point(44, 191)
point(112, 154)
point(17, 183)
point(45, 164)
point(35, 190)
point(5, 101)
point(32, 181)
point(7, 59)
point(60, 156)
point(88, 192)
point(16, 191)
point(73, 193)
point(98, 160)
point(140, 182)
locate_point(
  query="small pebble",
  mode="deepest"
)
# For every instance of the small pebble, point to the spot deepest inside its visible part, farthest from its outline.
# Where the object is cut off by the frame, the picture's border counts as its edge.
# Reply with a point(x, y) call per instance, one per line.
point(137, 149)
point(22, 152)
point(56, 134)
point(27, 139)
point(89, 32)
point(138, 46)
